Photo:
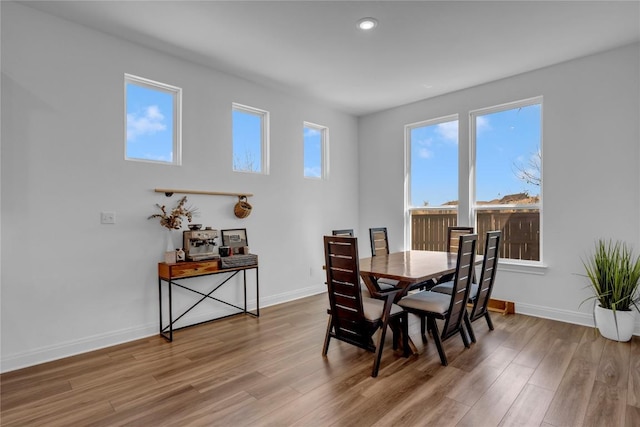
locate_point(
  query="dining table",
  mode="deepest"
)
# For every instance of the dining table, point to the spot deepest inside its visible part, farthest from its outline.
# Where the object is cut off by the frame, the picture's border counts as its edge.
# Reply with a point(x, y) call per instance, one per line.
point(407, 268)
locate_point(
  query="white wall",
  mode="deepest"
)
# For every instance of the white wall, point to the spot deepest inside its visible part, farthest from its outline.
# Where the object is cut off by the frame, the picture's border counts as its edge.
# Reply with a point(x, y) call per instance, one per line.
point(591, 173)
point(70, 284)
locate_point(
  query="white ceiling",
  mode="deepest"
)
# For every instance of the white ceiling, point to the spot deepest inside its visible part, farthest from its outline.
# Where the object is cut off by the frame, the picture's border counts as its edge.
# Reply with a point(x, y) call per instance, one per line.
point(419, 50)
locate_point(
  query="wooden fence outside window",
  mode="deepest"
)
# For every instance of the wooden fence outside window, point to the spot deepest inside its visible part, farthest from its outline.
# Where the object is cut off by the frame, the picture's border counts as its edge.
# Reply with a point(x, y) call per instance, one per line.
point(520, 230)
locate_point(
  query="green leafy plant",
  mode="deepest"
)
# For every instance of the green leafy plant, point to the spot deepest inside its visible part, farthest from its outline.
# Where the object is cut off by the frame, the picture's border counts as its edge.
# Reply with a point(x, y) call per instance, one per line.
point(614, 275)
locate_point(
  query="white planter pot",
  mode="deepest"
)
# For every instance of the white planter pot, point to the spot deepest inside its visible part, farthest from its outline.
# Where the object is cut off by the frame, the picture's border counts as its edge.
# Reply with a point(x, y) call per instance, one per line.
point(618, 328)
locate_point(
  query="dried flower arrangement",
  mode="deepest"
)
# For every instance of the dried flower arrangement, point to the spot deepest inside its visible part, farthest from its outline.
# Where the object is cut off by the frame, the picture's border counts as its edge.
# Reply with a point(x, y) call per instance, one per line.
point(173, 221)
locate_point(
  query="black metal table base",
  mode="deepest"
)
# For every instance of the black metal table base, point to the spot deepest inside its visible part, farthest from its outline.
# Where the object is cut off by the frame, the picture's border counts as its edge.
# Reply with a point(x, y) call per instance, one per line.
point(167, 330)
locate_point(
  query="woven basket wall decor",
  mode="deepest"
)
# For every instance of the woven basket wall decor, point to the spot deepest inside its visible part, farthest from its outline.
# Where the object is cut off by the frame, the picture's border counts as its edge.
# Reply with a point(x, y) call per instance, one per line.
point(242, 209)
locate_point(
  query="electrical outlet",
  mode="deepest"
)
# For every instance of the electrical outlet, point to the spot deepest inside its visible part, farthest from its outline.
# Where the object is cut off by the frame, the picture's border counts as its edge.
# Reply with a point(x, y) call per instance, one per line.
point(107, 217)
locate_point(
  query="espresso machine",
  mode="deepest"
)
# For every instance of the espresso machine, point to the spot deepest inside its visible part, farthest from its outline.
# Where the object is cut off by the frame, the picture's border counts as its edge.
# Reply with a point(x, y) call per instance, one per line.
point(200, 244)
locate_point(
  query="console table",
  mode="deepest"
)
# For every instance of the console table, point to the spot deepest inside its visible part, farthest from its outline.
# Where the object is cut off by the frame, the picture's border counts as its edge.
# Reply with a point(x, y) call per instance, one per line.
point(175, 275)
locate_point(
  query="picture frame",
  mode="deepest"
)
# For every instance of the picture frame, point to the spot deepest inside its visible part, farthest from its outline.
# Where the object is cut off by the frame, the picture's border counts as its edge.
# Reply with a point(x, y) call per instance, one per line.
point(236, 239)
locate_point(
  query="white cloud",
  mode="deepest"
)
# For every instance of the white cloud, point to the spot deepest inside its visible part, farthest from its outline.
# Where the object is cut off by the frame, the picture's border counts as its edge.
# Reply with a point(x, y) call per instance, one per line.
point(149, 122)
point(448, 130)
point(482, 124)
point(425, 153)
point(311, 132)
point(313, 172)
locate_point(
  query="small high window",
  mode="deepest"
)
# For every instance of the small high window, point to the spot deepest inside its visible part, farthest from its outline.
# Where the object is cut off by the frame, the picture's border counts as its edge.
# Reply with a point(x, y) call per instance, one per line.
point(315, 148)
point(250, 139)
point(152, 118)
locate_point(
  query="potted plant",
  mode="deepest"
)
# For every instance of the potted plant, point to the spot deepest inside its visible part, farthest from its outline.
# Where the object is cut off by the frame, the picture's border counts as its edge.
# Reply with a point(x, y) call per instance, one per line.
point(614, 276)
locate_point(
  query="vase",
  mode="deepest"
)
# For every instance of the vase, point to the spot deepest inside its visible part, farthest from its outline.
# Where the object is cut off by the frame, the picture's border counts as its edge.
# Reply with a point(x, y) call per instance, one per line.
point(169, 247)
point(617, 326)
point(169, 242)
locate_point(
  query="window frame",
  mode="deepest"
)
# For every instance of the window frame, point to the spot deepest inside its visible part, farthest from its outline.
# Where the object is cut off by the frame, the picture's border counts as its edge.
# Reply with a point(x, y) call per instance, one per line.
point(264, 137)
point(324, 149)
point(176, 93)
point(473, 206)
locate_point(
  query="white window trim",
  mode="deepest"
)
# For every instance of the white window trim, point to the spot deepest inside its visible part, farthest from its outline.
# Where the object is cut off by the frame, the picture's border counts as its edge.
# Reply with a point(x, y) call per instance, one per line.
point(473, 207)
point(264, 135)
point(177, 116)
point(324, 150)
point(407, 168)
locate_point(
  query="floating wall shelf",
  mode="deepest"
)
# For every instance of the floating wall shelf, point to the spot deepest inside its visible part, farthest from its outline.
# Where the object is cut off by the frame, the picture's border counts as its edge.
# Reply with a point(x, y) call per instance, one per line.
point(169, 192)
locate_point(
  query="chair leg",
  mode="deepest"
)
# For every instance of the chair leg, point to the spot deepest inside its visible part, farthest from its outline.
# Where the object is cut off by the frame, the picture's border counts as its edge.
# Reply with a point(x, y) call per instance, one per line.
point(327, 337)
point(423, 328)
point(396, 328)
point(378, 353)
point(405, 335)
point(465, 339)
point(467, 322)
point(489, 322)
point(433, 327)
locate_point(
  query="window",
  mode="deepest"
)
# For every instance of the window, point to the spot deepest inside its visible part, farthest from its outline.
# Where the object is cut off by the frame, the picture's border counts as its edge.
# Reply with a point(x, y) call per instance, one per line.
point(250, 139)
point(500, 185)
point(432, 177)
point(152, 116)
point(506, 144)
point(315, 148)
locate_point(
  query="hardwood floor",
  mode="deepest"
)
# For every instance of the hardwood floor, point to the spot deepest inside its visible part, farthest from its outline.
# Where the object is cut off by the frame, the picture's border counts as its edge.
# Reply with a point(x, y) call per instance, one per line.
point(270, 372)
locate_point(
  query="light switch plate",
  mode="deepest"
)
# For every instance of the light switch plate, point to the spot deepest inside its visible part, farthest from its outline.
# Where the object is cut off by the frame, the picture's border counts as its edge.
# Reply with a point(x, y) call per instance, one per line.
point(107, 217)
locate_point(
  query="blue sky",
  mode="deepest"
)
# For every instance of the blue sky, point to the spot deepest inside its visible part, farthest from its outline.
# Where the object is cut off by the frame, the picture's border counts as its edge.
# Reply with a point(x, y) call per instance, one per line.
point(507, 141)
point(247, 134)
point(312, 152)
point(149, 124)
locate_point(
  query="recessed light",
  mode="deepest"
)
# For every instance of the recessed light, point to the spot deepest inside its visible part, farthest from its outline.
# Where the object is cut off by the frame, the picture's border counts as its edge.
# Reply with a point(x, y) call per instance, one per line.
point(367, 24)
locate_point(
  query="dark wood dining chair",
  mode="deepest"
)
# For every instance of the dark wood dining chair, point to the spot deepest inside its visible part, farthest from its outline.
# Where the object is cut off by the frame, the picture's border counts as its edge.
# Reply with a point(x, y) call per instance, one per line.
point(380, 246)
point(352, 318)
point(430, 306)
point(480, 292)
point(453, 234)
point(379, 241)
point(344, 232)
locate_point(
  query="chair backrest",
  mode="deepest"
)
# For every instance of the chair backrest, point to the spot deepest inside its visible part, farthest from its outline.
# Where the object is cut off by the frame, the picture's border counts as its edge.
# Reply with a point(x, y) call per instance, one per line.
point(379, 241)
point(461, 284)
point(345, 232)
point(488, 274)
point(453, 233)
point(343, 283)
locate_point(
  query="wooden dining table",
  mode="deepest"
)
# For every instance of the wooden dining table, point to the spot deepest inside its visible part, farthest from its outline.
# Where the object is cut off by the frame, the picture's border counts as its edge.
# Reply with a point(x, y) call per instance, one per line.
point(408, 268)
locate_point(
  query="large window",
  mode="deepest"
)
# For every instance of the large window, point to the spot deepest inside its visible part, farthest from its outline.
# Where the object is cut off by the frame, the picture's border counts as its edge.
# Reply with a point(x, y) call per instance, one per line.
point(432, 178)
point(315, 140)
point(500, 186)
point(152, 116)
point(250, 139)
point(507, 143)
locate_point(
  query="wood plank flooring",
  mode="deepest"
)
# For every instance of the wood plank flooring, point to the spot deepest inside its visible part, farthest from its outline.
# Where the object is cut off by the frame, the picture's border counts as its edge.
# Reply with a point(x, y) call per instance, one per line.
point(243, 371)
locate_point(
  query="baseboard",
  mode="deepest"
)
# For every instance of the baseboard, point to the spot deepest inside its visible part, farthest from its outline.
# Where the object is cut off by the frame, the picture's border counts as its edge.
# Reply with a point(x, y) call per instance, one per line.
point(72, 348)
point(575, 317)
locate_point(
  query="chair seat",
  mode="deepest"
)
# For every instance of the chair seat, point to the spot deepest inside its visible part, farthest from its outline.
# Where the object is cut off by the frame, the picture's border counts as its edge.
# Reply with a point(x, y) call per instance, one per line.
point(387, 284)
point(373, 308)
point(427, 301)
point(445, 288)
point(384, 287)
